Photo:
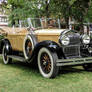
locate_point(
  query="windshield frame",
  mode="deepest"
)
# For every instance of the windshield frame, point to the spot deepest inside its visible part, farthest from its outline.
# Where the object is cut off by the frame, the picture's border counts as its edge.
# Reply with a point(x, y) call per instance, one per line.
point(43, 23)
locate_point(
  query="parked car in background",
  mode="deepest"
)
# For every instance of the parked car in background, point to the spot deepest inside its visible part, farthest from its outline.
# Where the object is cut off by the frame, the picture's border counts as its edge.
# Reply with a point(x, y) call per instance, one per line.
point(46, 42)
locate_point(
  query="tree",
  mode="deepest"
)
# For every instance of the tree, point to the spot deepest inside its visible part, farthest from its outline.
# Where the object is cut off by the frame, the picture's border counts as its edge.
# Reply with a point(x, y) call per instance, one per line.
point(88, 17)
point(71, 8)
point(15, 6)
point(22, 9)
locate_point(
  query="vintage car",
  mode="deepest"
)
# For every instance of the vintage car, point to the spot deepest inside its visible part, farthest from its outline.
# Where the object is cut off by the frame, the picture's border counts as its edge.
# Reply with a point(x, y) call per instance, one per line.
point(45, 42)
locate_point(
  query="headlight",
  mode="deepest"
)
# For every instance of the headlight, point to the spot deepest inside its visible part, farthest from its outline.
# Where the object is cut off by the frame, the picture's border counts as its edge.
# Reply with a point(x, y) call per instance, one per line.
point(64, 40)
point(86, 39)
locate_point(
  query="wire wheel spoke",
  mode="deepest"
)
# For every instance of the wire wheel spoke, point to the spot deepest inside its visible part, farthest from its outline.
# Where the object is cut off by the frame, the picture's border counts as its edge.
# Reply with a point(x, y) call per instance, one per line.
point(49, 67)
point(45, 63)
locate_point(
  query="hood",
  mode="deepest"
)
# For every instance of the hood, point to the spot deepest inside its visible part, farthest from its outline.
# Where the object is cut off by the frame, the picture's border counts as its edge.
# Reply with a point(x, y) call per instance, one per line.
point(49, 31)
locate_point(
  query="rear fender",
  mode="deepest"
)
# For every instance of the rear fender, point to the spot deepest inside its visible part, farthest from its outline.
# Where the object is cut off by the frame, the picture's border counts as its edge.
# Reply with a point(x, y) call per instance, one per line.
point(6, 43)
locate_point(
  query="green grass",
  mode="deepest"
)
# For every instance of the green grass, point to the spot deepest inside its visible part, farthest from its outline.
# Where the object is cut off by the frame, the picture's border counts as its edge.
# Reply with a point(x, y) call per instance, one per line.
point(19, 77)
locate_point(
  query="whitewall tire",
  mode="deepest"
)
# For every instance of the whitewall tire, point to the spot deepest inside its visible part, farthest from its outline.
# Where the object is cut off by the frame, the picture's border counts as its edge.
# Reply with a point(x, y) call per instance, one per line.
point(47, 63)
point(31, 47)
point(6, 59)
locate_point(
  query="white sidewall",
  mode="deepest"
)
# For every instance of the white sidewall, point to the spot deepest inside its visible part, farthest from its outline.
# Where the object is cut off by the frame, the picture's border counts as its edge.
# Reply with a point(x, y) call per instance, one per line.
point(27, 37)
point(39, 65)
point(5, 62)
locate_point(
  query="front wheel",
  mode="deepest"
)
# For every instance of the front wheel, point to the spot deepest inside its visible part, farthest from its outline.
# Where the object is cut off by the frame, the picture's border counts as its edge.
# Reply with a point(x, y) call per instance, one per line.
point(47, 63)
point(6, 59)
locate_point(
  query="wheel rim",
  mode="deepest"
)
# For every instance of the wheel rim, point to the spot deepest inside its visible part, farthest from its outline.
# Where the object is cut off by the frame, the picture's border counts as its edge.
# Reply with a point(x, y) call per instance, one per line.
point(45, 63)
point(28, 48)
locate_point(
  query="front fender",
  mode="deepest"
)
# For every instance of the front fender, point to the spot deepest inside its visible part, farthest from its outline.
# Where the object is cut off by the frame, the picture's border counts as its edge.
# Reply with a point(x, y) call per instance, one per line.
point(51, 45)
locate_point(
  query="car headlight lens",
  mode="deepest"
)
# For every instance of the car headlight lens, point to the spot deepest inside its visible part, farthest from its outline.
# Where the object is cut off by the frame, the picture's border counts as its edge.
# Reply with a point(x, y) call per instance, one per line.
point(86, 39)
point(65, 40)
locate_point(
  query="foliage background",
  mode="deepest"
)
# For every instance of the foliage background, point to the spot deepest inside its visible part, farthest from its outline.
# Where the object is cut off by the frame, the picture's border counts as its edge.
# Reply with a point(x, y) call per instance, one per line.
point(80, 10)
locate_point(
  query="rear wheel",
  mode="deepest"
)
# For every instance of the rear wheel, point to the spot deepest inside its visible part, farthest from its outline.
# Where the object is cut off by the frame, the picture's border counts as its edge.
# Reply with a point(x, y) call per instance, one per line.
point(47, 63)
point(6, 59)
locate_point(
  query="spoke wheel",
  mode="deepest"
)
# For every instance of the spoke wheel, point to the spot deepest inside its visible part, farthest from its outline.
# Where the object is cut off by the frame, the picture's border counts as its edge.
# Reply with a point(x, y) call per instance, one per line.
point(28, 48)
point(47, 63)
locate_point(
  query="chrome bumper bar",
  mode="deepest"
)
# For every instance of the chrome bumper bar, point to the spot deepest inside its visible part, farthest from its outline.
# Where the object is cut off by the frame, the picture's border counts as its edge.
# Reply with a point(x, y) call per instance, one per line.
point(74, 61)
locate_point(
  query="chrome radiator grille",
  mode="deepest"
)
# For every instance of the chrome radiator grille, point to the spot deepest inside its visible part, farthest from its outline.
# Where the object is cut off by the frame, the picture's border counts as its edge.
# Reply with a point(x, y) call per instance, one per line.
point(71, 51)
point(74, 40)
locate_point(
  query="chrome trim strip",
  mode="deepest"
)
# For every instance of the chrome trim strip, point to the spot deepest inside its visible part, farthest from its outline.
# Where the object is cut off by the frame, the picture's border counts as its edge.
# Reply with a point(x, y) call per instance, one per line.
point(74, 61)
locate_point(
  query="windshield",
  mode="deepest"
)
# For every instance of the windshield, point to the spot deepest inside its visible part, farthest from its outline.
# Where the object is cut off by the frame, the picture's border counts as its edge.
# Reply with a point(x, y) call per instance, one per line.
point(41, 23)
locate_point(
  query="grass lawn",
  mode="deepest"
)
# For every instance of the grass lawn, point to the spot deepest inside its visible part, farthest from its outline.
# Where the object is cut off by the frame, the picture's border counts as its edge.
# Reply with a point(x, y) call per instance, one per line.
point(19, 77)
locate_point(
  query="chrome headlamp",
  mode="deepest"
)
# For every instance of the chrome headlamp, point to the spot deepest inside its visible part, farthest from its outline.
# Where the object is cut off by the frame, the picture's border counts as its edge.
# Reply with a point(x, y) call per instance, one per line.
point(86, 39)
point(64, 40)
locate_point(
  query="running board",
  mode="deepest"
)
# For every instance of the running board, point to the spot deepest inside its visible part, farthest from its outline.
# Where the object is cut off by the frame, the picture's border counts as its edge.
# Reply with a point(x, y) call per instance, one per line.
point(17, 58)
point(74, 61)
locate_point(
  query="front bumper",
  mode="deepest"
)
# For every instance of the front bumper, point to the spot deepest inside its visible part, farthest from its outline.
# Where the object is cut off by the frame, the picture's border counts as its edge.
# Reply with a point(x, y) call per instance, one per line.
point(74, 61)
